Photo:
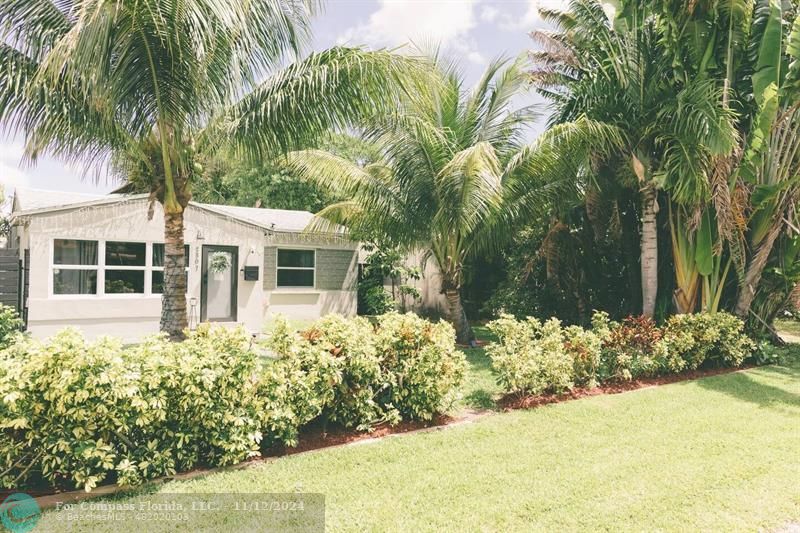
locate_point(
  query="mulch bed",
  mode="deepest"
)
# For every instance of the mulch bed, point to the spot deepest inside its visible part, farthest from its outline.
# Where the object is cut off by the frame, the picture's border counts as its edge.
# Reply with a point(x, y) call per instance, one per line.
point(316, 436)
point(517, 401)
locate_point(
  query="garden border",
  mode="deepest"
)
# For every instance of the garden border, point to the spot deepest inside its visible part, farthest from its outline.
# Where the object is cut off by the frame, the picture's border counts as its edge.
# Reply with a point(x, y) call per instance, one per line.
point(347, 438)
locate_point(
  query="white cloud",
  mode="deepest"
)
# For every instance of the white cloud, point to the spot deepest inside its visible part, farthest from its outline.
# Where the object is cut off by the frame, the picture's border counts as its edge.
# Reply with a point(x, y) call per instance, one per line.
point(10, 173)
point(396, 22)
point(12, 176)
point(531, 16)
point(489, 13)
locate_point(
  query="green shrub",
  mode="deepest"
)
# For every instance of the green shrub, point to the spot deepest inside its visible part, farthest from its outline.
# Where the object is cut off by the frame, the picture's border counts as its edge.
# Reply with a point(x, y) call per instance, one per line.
point(708, 339)
point(295, 388)
point(378, 300)
point(208, 385)
point(10, 325)
point(767, 353)
point(422, 364)
point(584, 347)
point(80, 413)
point(530, 357)
point(631, 349)
point(359, 376)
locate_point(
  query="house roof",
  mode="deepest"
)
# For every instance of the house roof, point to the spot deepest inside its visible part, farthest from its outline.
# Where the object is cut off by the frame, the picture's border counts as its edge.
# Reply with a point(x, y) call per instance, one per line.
point(278, 219)
point(33, 201)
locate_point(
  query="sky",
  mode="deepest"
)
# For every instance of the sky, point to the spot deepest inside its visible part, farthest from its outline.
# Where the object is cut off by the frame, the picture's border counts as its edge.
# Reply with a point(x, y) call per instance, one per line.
point(472, 31)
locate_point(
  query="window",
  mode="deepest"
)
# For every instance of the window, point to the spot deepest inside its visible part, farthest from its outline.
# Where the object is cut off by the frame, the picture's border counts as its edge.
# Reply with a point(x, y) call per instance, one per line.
point(157, 275)
point(108, 267)
point(74, 266)
point(296, 268)
point(125, 264)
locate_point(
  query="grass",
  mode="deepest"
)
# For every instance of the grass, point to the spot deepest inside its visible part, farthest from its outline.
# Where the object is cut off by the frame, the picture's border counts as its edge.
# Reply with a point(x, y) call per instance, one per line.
point(480, 385)
point(721, 453)
point(789, 329)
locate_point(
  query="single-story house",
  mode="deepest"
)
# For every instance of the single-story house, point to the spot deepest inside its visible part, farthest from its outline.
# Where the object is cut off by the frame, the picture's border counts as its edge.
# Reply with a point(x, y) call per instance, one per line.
point(96, 262)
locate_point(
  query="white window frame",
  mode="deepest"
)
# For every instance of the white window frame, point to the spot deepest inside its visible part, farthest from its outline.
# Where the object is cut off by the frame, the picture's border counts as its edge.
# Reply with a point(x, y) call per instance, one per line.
point(101, 268)
point(278, 268)
point(148, 261)
point(97, 267)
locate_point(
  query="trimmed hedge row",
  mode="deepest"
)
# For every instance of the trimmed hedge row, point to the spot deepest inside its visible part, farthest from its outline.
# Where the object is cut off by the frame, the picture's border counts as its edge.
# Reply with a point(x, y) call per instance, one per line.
point(77, 413)
point(534, 357)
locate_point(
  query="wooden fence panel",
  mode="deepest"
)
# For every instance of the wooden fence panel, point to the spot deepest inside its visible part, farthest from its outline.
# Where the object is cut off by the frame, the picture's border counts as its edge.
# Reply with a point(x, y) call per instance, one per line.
point(9, 277)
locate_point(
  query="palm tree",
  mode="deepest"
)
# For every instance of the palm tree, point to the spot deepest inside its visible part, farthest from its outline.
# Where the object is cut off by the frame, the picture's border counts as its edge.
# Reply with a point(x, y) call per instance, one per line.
point(615, 71)
point(152, 84)
point(456, 173)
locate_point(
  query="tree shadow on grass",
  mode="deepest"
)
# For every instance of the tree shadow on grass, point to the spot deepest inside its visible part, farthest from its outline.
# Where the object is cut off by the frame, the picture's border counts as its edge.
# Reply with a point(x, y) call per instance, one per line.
point(742, 386)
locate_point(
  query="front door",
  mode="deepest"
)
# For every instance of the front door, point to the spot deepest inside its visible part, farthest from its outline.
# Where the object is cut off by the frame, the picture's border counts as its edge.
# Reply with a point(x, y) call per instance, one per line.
point(220, 280)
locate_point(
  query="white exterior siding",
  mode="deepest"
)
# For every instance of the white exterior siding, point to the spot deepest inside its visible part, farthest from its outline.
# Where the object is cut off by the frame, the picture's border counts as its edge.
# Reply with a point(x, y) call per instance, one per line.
point(132, 316)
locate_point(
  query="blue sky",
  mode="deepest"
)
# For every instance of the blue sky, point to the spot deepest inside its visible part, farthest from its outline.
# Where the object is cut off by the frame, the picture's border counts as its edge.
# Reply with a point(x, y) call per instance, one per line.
point(473, 31)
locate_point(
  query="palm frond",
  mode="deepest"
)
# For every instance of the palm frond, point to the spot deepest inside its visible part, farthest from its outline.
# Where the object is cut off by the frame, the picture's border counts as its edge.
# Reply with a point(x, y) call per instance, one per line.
point(330, 89)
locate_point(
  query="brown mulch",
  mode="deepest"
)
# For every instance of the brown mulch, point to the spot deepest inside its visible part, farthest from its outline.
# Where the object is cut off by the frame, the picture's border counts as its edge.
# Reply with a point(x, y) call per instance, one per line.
point(316, 436)
point(517, 401)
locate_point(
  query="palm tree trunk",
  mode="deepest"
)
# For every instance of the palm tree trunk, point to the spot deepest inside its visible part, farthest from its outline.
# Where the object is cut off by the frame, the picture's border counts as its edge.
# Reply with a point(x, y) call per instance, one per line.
point(649, 250)
point(173, 299)
point(752, 277)
point(457, 317)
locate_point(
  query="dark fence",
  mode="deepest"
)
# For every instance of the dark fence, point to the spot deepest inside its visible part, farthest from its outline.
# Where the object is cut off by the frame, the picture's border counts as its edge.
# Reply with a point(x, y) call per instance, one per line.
point(10, 278)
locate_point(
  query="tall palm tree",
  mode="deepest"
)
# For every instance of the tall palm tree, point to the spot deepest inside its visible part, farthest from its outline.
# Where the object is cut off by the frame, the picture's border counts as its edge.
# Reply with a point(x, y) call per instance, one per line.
point(615, 71)
point(150, 84)
point(456, 173)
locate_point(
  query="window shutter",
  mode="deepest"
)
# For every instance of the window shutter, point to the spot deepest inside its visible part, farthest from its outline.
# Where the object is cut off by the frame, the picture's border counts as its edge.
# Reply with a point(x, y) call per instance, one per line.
point(336, 270)
point(270, 266)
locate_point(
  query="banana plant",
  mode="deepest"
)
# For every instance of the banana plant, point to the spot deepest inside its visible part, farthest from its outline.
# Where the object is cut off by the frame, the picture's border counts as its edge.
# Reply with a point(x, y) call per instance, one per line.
point(771, 166)
point(684, 254)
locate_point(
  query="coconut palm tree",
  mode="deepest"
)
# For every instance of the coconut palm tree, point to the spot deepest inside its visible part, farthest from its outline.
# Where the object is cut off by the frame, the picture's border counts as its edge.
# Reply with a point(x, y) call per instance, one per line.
point(614, 70)
point(151, 85)
point(456, 173)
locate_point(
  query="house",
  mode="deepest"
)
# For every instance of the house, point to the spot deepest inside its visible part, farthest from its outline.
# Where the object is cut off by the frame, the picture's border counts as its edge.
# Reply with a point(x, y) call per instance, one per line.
point(96, 262)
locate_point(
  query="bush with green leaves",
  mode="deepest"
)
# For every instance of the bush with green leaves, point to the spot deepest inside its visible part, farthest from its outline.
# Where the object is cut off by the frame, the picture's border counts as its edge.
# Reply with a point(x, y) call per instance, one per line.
point(404, 368)
point(530, 356)
point(631, 349)
point(708, 339)
point(533, 357)
point(584, 346)
point(10, 325)
point(295, 387)
point(208, 384)
point(77, 413)
point(424, 368)
point(360, 379)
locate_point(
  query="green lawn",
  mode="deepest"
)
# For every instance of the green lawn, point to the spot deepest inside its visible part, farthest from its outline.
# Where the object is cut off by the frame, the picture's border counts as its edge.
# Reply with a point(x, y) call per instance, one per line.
point(722, 453)
point(480, 386)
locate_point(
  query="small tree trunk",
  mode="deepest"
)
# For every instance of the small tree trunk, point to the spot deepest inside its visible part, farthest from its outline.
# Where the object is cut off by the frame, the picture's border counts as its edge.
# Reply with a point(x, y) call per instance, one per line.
point(173, 299)
point(649, 250)
point(457, 317)
point(752, 277)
